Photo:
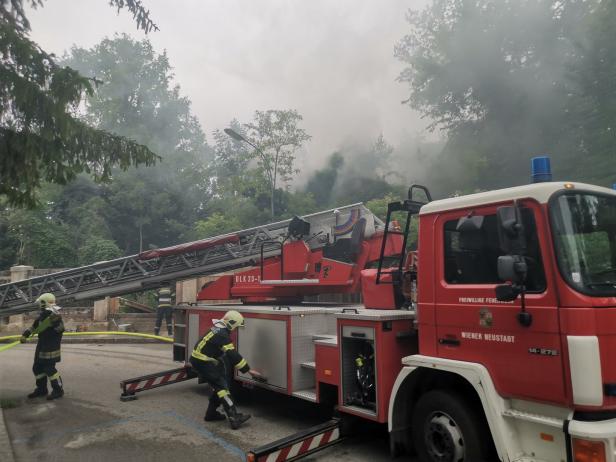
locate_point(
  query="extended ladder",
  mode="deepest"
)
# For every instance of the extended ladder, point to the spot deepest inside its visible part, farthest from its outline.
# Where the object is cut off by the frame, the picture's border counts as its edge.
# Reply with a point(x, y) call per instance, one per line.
point(151, 269)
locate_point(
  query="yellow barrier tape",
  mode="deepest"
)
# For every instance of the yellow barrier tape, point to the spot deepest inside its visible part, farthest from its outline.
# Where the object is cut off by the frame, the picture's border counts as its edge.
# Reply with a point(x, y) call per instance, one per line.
point(130, 334)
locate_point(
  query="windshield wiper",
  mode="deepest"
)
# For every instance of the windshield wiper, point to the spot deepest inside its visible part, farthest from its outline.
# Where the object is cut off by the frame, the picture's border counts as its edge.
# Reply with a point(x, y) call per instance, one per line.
point(602, 284)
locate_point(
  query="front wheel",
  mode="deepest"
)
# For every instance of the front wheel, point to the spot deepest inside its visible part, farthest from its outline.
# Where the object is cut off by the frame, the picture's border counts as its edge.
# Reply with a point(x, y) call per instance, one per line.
point(447, 429)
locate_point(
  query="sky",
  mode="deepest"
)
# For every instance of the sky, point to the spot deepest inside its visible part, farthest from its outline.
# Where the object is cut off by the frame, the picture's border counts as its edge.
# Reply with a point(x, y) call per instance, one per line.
point(332, 60)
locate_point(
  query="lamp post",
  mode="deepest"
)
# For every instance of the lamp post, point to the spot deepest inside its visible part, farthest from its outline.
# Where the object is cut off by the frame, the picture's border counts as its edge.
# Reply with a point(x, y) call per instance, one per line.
point(239, 137)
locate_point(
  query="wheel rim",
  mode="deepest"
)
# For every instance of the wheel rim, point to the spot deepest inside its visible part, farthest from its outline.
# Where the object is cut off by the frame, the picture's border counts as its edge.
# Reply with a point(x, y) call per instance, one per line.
point(444, 441)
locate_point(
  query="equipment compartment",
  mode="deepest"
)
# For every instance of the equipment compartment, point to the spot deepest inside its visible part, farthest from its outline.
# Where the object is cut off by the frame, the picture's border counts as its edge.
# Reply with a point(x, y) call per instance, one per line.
point(358, 368)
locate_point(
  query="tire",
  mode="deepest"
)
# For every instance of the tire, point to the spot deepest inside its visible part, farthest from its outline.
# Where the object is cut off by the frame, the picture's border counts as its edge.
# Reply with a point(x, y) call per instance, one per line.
point(446, 428)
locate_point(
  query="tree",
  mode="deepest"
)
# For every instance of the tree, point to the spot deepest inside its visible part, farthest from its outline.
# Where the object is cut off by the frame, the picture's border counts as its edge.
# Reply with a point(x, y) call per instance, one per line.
point(41, 136)
point(493, 76)
point(321, 183)
point(231, 166)
point(592, 96)
point(277, 137)
point(158, 205)
point(216, 224)
point(98, 249)
point(40, 241)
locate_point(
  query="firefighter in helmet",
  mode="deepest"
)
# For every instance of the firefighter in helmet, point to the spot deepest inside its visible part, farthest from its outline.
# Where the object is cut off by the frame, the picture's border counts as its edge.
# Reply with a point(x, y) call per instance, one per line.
point(165, 303)
point(208, 359)
point(49, 327)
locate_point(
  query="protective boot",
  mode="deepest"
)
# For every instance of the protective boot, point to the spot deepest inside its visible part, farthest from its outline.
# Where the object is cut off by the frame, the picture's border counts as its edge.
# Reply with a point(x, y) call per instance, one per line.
point(212, 414)
point(156, 330)
point(236, 419)
point(57, 390)
point(40, 390)
point(170, 331)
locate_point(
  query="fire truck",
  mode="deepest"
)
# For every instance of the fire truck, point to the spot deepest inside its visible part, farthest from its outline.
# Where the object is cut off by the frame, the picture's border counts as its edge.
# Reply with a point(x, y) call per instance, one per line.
point(492, 336)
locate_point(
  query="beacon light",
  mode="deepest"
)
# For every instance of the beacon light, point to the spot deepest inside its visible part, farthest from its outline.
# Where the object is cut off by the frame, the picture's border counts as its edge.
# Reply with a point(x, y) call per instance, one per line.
point(540, 169)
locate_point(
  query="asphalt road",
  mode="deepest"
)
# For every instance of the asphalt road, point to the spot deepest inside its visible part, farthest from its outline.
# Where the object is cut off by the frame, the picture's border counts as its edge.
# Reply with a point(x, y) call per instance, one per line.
point(91, 423)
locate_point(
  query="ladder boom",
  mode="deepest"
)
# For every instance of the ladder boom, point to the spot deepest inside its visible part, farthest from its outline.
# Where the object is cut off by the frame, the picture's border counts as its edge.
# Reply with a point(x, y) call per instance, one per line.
point(152, 268)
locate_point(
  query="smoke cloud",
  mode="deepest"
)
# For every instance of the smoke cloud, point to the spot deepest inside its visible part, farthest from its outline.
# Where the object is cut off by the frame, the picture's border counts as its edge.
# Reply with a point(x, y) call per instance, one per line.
point(332, 61)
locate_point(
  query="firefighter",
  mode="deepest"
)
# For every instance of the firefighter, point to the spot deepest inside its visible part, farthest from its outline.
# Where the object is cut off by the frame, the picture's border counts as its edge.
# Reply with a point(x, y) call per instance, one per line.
point(165, 297)
point(208, 359)
point(49, 327)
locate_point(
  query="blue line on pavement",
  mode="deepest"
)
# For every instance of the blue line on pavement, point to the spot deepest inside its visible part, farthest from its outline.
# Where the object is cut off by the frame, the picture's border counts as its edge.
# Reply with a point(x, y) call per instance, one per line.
point(208, 434)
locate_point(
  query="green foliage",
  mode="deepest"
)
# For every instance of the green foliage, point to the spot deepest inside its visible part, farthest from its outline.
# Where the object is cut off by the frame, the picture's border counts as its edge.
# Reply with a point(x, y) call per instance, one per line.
point(216, 224)
point(233, 172)
point(495, 76)
point(98, 249)
point(277, 137)
point(39, 241)
point(158, 205)
point(41, 136)
point(321, 183)
point(592, 96)
point(379, 208)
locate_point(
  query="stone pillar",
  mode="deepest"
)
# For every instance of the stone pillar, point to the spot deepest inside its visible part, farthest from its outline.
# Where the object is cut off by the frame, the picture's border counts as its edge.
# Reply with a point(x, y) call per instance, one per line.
point(19, 273)
point(101, 309)
point(114, 305)
point(186, 291)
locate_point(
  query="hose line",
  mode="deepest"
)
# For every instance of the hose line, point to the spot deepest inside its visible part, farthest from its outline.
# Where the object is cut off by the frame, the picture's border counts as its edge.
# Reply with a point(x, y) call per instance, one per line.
point(130, 334)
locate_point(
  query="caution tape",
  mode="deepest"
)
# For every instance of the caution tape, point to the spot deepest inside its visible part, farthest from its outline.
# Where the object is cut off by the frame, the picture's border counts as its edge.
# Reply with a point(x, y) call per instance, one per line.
point(130, 334)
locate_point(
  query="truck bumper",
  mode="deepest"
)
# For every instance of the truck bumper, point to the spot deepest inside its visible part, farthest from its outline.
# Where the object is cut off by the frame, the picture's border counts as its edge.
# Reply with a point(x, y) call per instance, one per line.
point(587, 436)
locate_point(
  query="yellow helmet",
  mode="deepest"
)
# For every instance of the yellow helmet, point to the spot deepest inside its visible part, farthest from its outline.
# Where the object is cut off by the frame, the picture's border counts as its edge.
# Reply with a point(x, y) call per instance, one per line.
point(233, 319)
point(46, 300)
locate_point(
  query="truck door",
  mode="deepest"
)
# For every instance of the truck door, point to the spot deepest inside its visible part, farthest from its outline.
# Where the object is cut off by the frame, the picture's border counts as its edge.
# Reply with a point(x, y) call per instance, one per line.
point(471, 325)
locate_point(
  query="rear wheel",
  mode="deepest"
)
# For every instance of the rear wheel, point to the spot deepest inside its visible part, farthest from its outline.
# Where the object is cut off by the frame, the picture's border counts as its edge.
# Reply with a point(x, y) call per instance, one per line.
point(447, 429)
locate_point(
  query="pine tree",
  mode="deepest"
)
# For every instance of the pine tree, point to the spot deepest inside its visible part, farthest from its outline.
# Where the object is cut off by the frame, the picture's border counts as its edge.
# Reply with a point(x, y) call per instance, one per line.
point(42, 137)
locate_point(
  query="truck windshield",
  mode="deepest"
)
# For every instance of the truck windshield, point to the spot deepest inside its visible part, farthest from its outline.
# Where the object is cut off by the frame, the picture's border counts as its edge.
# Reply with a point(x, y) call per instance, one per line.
point(584, 227)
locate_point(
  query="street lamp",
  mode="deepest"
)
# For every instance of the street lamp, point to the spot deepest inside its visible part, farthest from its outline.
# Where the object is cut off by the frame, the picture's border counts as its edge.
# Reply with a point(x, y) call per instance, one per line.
point(239, 137)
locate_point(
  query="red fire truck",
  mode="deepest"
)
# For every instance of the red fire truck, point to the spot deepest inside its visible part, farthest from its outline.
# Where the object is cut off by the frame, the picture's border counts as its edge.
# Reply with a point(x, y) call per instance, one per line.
point(493, 339)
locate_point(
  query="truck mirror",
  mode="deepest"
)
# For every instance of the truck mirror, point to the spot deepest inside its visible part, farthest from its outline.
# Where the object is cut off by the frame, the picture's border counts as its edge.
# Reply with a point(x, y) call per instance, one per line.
point(512, 268)
point(507, 293)
point(511, 230)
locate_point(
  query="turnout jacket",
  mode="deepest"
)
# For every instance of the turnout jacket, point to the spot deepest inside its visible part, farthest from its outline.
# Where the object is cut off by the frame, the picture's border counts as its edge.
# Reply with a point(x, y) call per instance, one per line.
point(49, 327)
point(216, 343)
point(165, 295)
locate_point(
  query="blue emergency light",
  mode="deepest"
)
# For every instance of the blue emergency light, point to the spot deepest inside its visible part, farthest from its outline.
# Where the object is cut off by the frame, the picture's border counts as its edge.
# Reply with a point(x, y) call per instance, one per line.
point(540, 169)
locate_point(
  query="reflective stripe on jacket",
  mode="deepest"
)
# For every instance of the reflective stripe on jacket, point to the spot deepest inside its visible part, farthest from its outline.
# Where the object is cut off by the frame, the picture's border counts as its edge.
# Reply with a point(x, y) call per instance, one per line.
point(164, 297)
point(216, 343)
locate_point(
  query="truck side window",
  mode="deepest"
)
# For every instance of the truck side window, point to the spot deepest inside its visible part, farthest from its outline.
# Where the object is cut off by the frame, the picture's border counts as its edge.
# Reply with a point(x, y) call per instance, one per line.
point(471, 256)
